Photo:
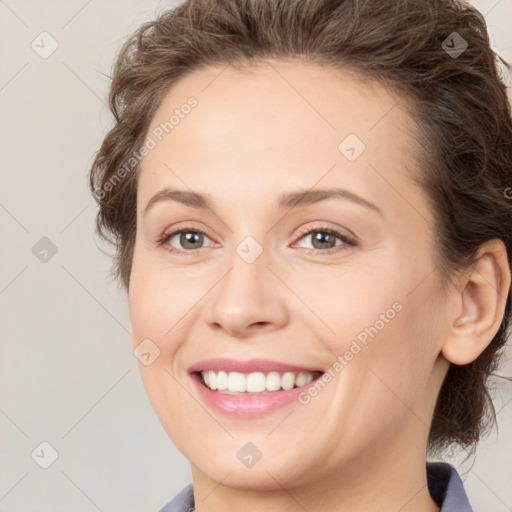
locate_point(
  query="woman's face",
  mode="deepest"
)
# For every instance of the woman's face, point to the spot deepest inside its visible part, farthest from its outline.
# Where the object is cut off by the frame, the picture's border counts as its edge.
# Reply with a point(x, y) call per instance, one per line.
point(278, 267)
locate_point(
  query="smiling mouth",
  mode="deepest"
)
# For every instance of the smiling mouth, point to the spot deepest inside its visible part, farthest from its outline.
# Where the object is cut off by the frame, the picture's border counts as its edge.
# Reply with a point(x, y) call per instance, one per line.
point(237, 383)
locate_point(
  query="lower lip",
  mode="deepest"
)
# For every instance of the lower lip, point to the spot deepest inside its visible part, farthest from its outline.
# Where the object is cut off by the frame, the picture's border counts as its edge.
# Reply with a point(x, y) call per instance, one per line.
point(247, 406)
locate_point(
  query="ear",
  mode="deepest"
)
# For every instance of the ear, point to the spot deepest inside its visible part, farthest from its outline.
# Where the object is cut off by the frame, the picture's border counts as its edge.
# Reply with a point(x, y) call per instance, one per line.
point(479, 301)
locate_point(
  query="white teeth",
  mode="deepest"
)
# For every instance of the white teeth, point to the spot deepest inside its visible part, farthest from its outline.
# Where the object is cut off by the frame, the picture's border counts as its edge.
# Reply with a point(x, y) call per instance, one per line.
point(288, 381)
point(301, 379)
point(256, 382)
point(212, 380)
point(236, 382)
point(273, 381)
point(222, 381)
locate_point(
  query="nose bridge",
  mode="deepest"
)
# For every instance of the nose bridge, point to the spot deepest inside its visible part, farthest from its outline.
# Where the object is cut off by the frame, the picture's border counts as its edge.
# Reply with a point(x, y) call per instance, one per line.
point(246, 295)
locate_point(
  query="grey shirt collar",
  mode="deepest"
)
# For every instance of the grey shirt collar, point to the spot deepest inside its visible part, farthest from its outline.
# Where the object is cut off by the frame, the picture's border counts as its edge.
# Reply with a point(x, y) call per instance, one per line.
point(444, 485)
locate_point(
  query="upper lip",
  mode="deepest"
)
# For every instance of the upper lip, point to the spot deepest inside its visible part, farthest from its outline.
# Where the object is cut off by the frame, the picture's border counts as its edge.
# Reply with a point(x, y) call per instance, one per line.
point(253, 365)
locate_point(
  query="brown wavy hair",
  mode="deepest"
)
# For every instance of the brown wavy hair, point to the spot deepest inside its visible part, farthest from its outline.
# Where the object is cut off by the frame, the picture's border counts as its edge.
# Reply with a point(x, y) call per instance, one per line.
point(459, 104)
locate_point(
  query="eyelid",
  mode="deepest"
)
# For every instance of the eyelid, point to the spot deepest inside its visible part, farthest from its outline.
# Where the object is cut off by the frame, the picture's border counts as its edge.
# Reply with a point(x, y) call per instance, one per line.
point(190, 225)
point(325, 225)
point(182, 226)
point(348, 241)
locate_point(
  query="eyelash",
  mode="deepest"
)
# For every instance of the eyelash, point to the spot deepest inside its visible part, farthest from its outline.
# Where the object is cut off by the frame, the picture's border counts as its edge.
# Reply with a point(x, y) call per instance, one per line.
point(347, 241)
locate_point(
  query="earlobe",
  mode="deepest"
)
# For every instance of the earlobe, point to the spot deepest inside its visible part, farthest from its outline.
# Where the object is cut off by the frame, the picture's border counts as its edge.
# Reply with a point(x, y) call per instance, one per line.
point(481, 299)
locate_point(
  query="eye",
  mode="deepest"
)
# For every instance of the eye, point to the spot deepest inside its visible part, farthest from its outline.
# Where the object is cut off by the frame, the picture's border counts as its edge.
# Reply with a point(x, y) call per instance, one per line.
point(324, 239)
point(189, 238)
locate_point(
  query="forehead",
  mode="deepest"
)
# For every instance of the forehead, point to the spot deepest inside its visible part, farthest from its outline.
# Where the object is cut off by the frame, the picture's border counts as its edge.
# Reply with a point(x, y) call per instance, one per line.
point(279, 125)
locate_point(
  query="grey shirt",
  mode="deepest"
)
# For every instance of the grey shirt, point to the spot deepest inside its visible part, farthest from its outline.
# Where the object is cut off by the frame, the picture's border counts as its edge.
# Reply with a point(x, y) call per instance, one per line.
point(444, 485)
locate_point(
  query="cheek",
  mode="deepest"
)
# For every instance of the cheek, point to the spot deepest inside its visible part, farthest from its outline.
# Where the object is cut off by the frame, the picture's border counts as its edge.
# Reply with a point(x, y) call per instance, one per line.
point(398, 358)
point(160, 302)
point(386, 333)
point(355, 301)
point(155, 311)
point(382, 385)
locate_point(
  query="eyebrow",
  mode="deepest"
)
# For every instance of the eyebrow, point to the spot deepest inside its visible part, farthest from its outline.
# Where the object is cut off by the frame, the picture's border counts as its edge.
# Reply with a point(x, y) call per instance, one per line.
point(285, 201)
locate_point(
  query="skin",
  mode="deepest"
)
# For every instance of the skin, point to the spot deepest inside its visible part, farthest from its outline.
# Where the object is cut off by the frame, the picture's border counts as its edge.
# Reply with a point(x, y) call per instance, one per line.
point(255, 134)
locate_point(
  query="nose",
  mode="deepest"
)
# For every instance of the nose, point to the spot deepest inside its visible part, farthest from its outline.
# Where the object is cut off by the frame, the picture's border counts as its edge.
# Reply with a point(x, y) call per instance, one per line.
point(248, 299)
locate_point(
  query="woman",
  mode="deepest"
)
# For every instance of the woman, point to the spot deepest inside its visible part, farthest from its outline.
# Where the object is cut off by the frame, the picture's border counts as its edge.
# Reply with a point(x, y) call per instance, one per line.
point(308, 201)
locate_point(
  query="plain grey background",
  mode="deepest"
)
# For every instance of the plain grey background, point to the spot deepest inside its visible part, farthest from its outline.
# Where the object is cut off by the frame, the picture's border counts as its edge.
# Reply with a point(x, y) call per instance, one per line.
point(68, 376)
